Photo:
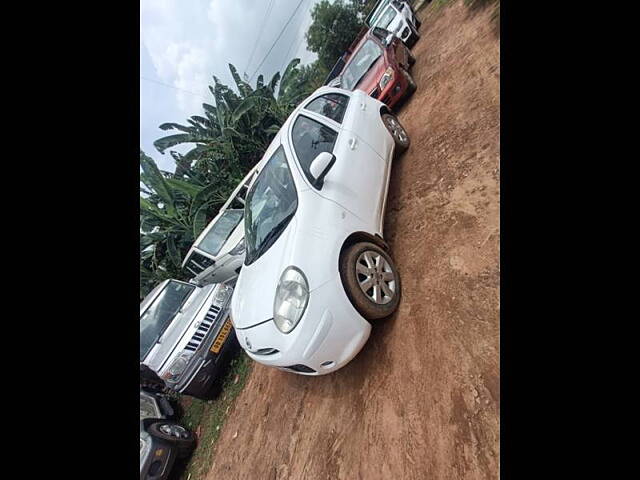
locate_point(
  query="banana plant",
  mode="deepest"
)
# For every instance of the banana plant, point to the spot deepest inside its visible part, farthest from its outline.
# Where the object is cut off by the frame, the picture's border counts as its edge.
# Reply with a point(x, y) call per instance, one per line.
point(173, 212)
point(239, 126)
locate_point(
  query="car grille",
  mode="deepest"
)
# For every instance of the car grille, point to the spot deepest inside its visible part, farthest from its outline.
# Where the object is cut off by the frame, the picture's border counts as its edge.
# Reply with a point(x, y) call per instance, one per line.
point(198, 263)
point(203, 329)
point(301, 368)
point(266, 351)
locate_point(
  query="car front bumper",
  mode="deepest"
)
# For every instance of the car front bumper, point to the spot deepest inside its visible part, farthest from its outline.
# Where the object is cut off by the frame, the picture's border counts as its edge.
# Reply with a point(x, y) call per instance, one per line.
point(210, 368)
point(330, 334)
point(159, 460)
point(205, 366)
point(409, 35)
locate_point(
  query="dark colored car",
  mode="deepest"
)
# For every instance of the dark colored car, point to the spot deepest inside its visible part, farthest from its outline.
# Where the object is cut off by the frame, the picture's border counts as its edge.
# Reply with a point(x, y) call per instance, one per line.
point(379, 66)
point(162, 440)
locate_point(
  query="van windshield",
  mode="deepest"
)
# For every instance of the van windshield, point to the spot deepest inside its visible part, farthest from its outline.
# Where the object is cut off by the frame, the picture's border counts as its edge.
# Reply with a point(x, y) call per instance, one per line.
point(217, 236)
point(157, 317)
point(375, 14)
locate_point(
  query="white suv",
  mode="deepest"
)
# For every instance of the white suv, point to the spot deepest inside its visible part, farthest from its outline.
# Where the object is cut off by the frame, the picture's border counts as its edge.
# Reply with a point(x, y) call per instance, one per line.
point(398, 17)
point(316, 267)
point(217, 254)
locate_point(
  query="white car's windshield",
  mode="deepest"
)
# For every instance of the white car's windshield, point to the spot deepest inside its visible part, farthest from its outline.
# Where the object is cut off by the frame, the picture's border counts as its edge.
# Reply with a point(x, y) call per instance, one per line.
point(215, 238)
point(360, 64)
point(271, 204)
point(158, 316)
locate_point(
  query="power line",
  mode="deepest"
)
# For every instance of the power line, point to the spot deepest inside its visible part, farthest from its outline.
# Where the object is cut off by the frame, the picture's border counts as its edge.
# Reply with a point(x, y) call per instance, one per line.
point(276, 40)
point(171, 86)
point(286, 57)
point(255, 45)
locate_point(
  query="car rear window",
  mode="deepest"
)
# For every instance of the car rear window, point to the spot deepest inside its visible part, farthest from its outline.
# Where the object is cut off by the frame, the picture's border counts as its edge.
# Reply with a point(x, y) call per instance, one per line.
point(331, 105)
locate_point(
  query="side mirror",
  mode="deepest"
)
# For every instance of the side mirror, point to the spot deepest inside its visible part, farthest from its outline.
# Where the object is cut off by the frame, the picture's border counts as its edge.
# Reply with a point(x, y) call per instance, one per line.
point(320, 166)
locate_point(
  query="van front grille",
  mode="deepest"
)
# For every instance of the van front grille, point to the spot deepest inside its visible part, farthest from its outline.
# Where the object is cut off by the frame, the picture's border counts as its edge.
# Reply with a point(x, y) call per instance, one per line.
point(198, 263)
point(203, 328)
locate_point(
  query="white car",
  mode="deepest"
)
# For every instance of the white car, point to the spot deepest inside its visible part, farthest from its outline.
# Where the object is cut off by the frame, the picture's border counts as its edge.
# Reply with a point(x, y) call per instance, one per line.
point(398, 17)
point(217, 254)
point(316, 269)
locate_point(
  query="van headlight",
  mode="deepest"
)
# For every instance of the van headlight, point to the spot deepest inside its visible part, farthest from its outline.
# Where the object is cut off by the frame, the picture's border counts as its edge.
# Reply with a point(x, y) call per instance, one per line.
point(387, 76)
point(177, 367)
point(292, 296)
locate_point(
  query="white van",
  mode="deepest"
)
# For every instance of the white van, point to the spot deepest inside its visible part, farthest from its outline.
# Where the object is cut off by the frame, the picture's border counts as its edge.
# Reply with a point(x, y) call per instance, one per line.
point(217, 254)
point(398, 17)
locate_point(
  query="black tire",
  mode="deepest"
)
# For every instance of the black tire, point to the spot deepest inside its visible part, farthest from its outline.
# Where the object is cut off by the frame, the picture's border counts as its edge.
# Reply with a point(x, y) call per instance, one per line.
point(184, 444)
point(418, 23)
point(397, 131)
point(412, 40)
point(352, 279)
point(411, 58)
point(412, 84)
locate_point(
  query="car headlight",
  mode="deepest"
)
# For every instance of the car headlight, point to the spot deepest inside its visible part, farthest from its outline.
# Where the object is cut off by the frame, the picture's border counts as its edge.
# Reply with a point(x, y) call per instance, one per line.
point(292, 296)
point(387, 76)
point(177, 368)
point(238, 249)
point(223, 293)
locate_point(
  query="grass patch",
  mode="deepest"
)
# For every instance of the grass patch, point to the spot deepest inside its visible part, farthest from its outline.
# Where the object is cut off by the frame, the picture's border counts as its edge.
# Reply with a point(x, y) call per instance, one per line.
point(210, 416)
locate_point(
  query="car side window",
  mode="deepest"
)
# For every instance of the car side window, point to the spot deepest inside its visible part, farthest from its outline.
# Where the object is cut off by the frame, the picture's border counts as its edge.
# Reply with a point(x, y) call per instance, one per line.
point(331, 105)
point(310, 138)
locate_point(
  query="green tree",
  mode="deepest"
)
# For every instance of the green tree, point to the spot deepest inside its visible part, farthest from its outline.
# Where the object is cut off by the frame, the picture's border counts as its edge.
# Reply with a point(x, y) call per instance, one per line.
point(334, 27)
point(229, 138)
point(173, 212)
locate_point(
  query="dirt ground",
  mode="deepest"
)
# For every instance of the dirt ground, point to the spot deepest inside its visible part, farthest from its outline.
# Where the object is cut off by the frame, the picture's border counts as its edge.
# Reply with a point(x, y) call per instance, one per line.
point(422, 399)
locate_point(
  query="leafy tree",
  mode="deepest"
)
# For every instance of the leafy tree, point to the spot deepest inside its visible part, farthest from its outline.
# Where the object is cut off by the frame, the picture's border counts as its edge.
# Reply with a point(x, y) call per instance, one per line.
point(235, 131)
point(334, 27)
point(314, 74)
point(173, 212)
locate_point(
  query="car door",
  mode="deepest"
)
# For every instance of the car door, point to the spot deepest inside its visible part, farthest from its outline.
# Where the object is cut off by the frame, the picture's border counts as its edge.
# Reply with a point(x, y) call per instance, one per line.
point(358, 177)
point(362, 118)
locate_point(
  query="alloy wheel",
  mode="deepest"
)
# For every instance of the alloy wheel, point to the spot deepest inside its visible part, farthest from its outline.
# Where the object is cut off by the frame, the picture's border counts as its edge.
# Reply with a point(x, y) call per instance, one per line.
point(375, 277)
point(396, 130)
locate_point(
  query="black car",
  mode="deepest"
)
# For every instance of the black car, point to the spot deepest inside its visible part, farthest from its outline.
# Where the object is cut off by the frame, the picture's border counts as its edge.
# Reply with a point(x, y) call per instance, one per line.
point(162, 440)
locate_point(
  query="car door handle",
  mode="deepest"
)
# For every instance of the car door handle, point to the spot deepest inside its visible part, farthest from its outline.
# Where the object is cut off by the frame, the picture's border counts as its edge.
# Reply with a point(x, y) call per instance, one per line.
point(363, 106)
point(353, 143)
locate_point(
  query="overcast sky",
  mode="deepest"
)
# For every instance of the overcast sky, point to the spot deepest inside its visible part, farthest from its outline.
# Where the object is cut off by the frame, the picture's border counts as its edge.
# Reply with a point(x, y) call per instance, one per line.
point(184, 42)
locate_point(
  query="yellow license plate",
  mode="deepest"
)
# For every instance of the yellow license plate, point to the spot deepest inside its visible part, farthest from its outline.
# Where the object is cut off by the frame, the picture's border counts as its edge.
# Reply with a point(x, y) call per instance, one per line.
point(222, 336)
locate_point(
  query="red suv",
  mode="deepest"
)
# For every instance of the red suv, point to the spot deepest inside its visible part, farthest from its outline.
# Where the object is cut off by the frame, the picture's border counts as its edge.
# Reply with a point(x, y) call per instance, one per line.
point(379, 65)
